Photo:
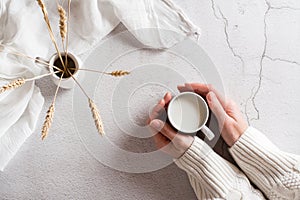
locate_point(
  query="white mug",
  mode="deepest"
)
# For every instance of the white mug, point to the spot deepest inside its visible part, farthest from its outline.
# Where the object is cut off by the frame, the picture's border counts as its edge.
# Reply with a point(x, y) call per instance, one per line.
point(188, 113)
point(66, 82)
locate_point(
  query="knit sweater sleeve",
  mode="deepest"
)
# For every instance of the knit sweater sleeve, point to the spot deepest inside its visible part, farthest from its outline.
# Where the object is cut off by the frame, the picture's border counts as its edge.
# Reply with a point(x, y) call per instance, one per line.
point(276, 173)
point(212, 177)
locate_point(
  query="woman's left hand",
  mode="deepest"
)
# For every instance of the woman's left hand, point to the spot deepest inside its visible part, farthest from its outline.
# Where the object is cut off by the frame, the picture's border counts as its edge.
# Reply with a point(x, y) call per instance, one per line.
point(166, 138)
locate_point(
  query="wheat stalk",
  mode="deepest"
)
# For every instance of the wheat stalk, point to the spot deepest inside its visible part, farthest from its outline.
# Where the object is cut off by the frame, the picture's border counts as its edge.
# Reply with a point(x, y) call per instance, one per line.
point(93, 107)
point(50, 113)
point(48, 121)
point(21, 81)
point(12, 85)
point(113, 73)
point(96, 117)
point(40, 76)
point(46, 18)
point(18, 53)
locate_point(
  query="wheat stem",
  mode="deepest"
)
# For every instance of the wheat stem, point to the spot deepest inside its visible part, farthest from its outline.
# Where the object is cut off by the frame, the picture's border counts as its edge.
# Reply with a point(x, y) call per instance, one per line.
point(94, 110)
point(35, 59)
point(90, 70)
point(41, 76)
point(46, 18)
point(58, 85)
point(50, 113)
point(21, 81)
point(17, 53)
point(113, 73)
point(84, 92)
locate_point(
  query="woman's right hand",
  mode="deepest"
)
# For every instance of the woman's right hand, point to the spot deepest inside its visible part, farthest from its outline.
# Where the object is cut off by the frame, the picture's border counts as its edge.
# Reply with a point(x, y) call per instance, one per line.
point(231, 121)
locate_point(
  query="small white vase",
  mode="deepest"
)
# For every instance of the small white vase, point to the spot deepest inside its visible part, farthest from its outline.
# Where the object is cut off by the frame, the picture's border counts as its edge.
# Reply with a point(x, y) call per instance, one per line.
point(66, 82)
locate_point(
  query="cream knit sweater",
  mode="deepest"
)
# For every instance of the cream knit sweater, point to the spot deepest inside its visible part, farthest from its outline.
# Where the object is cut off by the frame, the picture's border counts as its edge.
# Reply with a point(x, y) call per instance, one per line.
point(275, 173)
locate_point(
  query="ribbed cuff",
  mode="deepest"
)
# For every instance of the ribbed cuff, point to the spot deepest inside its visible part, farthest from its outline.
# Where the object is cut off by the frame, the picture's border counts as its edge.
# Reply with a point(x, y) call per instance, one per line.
point(261, 160)
point(201, 162)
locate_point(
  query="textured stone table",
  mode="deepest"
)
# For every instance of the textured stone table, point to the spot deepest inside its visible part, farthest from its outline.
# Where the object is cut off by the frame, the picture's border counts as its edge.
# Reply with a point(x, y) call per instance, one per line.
point(255, 45)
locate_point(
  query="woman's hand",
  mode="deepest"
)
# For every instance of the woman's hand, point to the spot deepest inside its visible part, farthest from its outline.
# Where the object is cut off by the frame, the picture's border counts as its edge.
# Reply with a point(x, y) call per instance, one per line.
point(166, 138)
point(231, 121)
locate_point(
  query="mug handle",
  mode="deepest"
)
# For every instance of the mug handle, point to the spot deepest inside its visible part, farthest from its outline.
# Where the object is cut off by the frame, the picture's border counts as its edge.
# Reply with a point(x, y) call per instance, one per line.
point(41, 62)
point(208, 133)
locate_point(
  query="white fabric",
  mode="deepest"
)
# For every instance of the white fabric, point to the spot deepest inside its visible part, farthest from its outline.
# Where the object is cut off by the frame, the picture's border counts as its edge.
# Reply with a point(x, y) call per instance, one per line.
point(22, 27)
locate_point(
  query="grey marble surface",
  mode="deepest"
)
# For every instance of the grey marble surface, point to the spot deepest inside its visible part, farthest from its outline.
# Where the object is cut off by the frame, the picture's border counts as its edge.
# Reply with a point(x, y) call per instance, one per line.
point(255, 47)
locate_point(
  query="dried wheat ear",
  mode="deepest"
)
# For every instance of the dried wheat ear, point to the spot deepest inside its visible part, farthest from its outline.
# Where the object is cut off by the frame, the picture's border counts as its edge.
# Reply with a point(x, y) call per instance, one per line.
point(96, 117)
point(12, 85)
point(48, 121)
point(62, 22)
point(119, 73)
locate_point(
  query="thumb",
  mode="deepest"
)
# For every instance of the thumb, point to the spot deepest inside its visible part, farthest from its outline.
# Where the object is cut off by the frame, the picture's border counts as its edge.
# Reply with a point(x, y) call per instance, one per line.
point(217, 108)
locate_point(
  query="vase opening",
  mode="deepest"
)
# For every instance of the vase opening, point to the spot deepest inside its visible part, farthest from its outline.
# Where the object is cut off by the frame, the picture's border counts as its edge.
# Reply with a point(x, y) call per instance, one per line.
point(71, 67)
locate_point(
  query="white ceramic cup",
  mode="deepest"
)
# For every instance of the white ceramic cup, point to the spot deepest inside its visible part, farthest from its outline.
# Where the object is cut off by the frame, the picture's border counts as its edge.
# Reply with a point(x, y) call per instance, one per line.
point(188, 113)
point(68, 82)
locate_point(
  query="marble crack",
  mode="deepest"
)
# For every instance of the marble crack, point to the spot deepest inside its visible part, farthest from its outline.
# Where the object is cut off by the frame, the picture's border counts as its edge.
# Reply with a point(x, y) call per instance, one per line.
point(253, 98)
point(282, 60)
point(225, 21)
point(280, 7)
point(283, 7)
point(256, 89)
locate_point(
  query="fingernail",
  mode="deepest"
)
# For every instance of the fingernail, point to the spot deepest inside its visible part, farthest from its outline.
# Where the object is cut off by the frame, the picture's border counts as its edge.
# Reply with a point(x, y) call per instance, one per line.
point(166, 95)
point(161, 102)
point(209, 96)
point(180, 87)
point(155, 124)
